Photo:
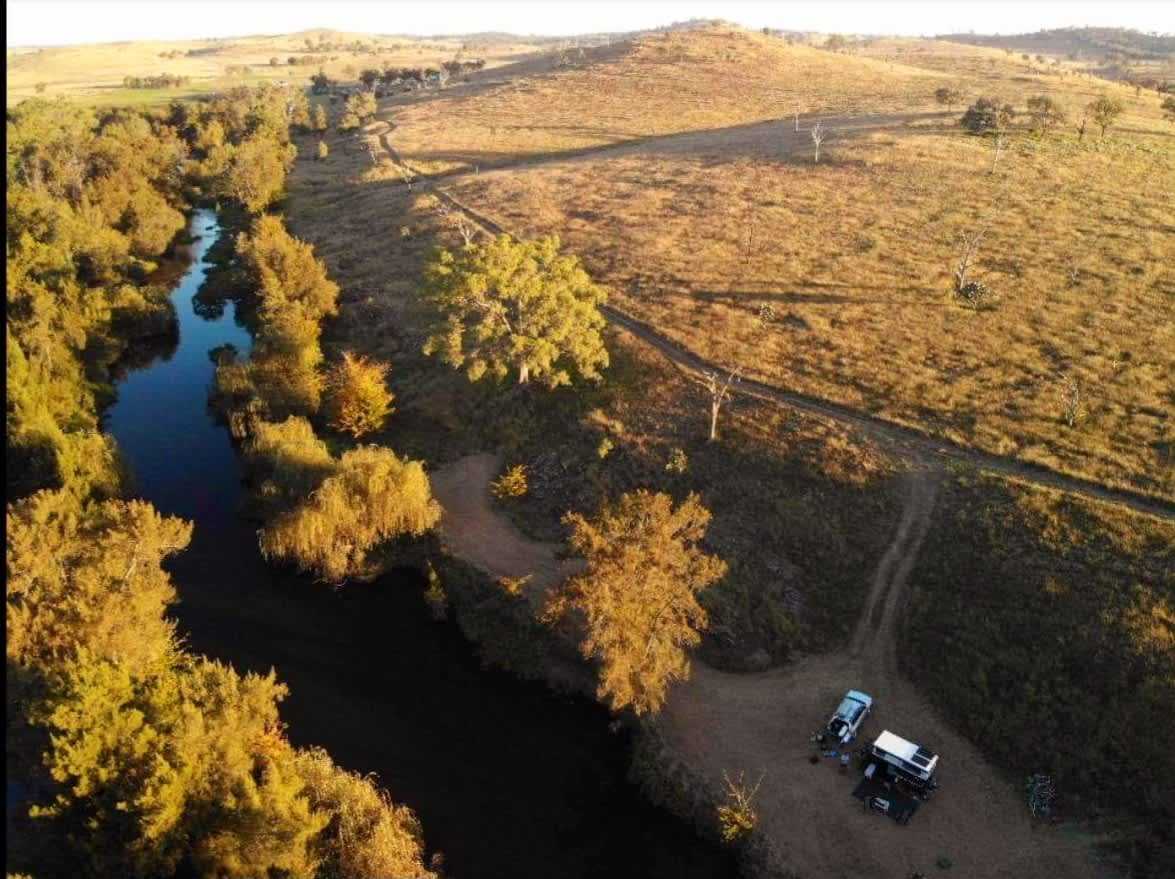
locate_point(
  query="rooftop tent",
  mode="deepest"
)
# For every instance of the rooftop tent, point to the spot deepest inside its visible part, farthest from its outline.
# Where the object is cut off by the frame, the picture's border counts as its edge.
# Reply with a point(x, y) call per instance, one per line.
point(905, 756)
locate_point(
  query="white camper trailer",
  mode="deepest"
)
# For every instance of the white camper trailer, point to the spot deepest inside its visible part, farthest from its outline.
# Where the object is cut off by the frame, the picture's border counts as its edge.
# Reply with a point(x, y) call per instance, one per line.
point(906, 761)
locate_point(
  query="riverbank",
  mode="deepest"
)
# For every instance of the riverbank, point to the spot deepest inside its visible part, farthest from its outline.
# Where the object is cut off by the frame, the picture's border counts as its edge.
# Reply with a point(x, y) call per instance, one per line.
point(507, 777)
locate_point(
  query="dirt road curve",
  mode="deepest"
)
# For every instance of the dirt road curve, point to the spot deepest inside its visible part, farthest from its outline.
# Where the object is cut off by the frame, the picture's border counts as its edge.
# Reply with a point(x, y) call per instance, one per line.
point(760, 723)
point(915, 443)
point(472, 530)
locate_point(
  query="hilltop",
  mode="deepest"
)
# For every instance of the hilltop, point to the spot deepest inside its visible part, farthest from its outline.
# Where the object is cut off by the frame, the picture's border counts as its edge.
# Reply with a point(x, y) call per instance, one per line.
point(673, 164)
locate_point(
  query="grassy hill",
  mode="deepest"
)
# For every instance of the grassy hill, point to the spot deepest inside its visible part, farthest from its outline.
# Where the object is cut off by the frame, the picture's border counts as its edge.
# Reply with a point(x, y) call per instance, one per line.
point(677, 81)
point(94, 73)
point(1111, 53)
point(702, 233)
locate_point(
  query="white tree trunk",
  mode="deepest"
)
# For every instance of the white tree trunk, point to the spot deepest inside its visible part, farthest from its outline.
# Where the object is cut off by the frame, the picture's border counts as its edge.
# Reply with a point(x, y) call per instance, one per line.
point(523, 373)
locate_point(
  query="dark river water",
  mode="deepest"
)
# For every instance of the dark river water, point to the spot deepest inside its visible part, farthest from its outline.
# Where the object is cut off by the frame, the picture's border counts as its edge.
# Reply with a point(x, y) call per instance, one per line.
point(508, 779)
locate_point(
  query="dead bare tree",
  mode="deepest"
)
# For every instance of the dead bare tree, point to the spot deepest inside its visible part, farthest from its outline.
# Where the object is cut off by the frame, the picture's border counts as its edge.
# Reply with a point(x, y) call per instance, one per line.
point(998, 146)
point(819, 133)
point(1071, 400)
point(458, 220)
point(973, 293)
point(717, 384)
point(797, 117)
point(751, 244)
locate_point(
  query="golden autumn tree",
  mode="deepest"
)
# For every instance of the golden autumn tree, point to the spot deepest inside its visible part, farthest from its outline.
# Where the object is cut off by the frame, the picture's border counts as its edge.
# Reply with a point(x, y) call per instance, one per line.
point(519, 307)
point(372, 496)
point(358, 401)
point(368, 835)
point(638, 595)
point(89, 578)
point(296, 294)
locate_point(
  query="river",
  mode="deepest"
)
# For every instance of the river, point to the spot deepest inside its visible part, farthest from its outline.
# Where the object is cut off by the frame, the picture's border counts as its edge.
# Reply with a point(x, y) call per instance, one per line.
point(508, 778)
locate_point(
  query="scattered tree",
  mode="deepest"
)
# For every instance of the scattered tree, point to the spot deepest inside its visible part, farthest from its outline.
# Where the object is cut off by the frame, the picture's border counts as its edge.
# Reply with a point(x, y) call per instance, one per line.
point(89, 580)
point(988, 115)
point(971, 292)
point(516, 305)
point(819, 133)
point(358, 401)
point(257, 173)
point(637, 598)
point(320, 83)
point(322, 152)
point(717, 385)
point(836, 43)
point(948, 97)
point(370, 77)
point(1169, 108)
point(1044, 113)
point(1105, 112)
point(369, 836)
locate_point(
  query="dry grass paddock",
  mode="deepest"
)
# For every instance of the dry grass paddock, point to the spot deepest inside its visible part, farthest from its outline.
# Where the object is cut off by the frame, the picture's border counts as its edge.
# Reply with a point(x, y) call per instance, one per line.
point(699, 231)
point(802, 505)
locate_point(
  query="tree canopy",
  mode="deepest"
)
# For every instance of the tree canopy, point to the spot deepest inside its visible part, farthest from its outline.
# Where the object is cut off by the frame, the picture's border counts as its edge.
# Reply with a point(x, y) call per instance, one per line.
point(372, 496)
point(988, 115)
point(1105, 111)
point(516, 306)
point(638, 595)
point(358, 401)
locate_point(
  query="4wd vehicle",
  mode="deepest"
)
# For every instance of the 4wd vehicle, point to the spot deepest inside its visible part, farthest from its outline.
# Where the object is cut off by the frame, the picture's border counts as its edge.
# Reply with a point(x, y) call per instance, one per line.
point(848, 717)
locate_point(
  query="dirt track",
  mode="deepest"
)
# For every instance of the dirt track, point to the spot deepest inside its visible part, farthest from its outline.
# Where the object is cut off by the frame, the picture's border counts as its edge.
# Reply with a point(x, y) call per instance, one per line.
point(760, 723)
point(911, 441)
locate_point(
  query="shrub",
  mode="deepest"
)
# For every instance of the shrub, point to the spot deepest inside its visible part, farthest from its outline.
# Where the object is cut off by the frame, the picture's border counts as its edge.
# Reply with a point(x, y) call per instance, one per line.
point(1045, 113)
point(358, 401)
point(511, 484)
point(434, 594)
point(678, 462)
point(948, 96)
point(737, 816)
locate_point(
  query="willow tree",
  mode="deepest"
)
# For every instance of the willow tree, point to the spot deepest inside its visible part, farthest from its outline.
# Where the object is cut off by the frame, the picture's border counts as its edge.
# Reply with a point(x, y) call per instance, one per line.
point(371, 497)
point(519, 307)
point(637, 597)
